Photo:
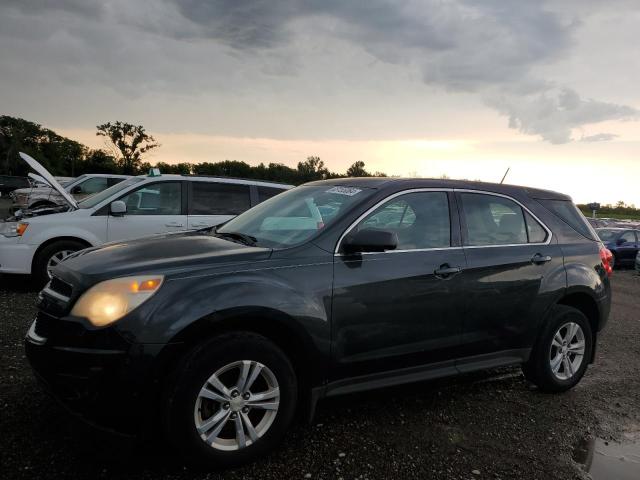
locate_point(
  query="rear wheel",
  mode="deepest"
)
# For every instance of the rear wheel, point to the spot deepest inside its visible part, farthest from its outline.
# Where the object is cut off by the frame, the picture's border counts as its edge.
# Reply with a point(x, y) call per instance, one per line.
point(232, 400)
point(561, 356)
point(52, 255)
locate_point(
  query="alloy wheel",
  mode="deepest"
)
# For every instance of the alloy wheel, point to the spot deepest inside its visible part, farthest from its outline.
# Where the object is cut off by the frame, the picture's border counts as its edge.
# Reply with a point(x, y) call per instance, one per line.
point(567, 351)
point(56, 258)
point(237, 405)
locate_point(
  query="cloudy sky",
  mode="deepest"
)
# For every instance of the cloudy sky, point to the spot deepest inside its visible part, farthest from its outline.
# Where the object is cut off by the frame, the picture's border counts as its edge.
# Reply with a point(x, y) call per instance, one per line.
point(419, 87)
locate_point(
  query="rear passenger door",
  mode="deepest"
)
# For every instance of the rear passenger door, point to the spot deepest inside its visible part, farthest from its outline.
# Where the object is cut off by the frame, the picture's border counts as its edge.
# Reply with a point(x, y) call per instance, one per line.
point(509, 252)
point(213, 203)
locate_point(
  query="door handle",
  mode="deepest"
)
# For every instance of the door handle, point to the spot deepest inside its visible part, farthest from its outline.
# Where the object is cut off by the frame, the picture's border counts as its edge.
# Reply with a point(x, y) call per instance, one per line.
point(445, 271)
point(173, 224)
point(539, 259)
point(200, 225)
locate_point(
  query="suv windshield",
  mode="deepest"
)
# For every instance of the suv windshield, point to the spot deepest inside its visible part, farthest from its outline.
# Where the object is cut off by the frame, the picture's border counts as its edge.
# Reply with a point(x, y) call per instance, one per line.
point(295, 215)
point(94, 200)
point(606, 234)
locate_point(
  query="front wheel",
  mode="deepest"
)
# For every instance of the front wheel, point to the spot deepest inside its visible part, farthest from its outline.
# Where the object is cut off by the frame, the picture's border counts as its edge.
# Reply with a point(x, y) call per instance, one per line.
point(50, 256)
point(232, 400)
point(561, 356)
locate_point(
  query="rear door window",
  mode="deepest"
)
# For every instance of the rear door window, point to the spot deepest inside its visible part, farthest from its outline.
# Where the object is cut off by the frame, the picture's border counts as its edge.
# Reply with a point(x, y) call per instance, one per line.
point(495, 220)
point(210, 198)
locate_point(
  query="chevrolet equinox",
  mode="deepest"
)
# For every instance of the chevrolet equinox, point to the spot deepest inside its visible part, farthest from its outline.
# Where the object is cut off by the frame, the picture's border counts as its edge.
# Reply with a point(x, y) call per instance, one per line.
point(220, 335)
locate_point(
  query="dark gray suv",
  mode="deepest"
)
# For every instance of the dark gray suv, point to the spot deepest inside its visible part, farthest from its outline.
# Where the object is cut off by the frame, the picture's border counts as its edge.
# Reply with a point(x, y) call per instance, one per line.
point(219, 336)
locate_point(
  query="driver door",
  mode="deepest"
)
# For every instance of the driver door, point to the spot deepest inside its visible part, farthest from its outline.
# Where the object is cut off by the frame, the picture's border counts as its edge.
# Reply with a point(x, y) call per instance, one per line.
point(392, 310)
point(154, 208)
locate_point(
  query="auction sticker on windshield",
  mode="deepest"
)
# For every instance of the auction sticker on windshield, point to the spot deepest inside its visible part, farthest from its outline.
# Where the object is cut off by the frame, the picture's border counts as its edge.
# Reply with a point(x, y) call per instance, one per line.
point(350, 191)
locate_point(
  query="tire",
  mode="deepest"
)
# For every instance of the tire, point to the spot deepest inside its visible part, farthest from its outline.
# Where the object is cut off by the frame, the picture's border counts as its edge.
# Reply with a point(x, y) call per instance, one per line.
point(185, 409)
point(539, 368)
point(40, 265)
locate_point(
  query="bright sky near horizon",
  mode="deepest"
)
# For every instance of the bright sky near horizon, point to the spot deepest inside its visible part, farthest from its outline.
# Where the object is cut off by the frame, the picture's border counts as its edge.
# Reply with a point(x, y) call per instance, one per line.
point(466, 89)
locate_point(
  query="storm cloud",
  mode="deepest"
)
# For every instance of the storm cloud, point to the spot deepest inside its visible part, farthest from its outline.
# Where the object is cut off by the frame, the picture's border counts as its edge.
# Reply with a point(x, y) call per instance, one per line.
point(497, 51)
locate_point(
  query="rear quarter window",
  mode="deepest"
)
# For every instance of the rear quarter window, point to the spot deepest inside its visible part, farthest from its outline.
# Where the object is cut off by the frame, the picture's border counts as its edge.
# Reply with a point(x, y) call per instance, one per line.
point(569, 213)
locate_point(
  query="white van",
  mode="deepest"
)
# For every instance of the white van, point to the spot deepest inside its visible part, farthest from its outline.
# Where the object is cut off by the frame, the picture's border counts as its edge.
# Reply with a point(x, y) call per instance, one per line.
point(133, 208)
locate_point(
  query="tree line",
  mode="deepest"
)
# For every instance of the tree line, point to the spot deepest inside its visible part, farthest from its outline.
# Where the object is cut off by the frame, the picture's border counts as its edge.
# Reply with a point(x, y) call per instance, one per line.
point(126, 146)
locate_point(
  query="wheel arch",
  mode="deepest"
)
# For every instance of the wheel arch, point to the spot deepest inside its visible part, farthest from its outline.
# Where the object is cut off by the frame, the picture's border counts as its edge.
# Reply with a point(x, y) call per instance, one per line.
point(276, 326)
point(50, 241)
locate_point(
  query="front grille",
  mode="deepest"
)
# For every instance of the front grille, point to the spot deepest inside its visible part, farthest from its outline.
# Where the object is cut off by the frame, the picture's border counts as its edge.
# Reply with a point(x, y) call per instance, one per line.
point(60, 286)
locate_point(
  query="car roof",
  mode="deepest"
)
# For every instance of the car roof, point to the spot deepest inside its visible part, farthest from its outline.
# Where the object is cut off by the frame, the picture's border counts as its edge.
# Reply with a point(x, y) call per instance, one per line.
point(206, 178)
point(409, 183)
point(102, 175)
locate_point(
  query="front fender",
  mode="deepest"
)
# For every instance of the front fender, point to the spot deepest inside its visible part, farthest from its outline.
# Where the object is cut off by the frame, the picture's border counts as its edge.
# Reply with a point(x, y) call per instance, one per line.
point(297, 297)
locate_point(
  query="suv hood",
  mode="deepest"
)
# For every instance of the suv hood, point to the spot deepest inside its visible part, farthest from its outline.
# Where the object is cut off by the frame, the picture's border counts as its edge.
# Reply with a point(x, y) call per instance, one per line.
point(44, 173)
point(169, 253)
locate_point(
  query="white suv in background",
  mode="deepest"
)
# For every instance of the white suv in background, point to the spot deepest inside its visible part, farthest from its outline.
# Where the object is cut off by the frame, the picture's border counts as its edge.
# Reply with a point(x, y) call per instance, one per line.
point(133, 208)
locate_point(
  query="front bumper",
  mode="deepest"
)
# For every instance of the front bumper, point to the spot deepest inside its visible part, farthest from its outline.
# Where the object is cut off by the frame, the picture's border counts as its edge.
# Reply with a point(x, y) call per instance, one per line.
point(15, 257)
point(98, 376)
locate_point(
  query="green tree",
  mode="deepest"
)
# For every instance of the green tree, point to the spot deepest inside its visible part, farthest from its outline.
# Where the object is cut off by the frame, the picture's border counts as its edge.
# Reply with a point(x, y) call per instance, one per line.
point(98, 161)
point(312, 169)
point(357, 170)
point(128, 142)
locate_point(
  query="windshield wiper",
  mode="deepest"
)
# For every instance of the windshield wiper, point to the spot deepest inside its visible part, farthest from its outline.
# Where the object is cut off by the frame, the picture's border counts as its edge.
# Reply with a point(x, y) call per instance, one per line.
point(242, 237)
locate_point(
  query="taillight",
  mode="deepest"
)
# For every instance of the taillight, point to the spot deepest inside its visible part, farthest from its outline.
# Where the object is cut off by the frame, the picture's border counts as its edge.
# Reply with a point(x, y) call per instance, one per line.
point(607, 259)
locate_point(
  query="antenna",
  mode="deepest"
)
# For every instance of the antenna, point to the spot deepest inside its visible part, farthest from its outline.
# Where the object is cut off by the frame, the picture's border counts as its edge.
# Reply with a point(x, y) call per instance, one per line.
point(505, 175)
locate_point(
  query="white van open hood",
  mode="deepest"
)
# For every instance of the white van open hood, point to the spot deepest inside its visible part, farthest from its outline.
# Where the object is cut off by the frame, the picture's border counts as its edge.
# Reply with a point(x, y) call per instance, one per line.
point(44, 173)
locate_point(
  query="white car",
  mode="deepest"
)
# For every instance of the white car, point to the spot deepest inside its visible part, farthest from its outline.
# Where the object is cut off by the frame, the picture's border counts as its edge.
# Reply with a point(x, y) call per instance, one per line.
point(42, 195)
point(136, 207)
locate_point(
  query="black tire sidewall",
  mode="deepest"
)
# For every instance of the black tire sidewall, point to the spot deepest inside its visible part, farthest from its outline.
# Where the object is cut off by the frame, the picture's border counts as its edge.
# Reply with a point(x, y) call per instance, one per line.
point(196, 368)
point(545, 377)
point(40, 265)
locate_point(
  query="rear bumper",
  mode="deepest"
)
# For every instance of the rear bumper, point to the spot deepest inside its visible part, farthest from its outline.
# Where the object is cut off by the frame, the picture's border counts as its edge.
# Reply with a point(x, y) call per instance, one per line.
point(15, 257)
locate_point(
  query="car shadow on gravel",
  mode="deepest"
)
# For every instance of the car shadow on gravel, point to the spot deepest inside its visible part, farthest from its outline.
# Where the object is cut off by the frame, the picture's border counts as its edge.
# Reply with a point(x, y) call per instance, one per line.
point(17, 283)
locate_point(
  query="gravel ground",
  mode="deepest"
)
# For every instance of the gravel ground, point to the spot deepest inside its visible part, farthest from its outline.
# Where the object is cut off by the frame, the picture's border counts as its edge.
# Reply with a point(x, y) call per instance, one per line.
point(485, 425)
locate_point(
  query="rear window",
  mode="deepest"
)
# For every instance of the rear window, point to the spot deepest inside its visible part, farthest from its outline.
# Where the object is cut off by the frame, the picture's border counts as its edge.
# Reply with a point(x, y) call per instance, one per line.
point(570, 214)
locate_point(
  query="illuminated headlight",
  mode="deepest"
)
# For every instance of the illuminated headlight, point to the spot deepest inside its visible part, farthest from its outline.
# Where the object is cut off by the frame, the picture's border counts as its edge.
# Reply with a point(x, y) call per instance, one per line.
point(111, 300)
point(13, 229)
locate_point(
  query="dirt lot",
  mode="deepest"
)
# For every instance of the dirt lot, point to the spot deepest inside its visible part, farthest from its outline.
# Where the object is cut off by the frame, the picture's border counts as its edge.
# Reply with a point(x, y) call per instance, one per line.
point(488, 425)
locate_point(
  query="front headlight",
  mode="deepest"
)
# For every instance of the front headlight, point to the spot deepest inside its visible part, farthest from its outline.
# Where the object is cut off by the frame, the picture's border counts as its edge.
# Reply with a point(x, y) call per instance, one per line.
point(13, 229)
point(111, 300)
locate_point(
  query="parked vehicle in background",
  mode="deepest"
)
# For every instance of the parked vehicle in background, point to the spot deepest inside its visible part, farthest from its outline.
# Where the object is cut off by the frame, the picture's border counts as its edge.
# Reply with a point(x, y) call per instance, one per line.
point(40, 196)
point(334, 287)
point(9, 183)
point(133, 208)
point(624, 244)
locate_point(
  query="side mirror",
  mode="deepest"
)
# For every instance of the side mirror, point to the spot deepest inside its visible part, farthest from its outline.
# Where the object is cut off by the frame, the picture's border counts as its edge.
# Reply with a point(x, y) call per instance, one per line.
point(118, 208)
point(370, 240)
point(620, 241)
point(76, 190)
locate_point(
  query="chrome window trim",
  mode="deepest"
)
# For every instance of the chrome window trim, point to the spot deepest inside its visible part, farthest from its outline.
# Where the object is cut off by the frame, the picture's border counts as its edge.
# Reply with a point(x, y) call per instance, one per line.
point(435, 189)
point(382, 202)
point(484, 192)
